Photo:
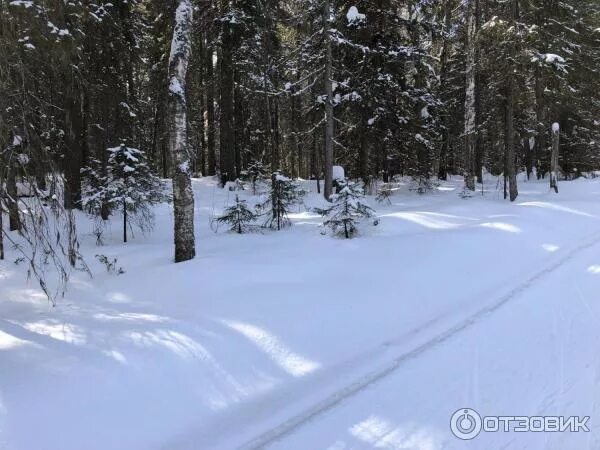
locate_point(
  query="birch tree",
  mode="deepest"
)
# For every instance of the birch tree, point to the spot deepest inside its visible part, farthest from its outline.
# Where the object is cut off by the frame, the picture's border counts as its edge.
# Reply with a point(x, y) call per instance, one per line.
point(183, 196)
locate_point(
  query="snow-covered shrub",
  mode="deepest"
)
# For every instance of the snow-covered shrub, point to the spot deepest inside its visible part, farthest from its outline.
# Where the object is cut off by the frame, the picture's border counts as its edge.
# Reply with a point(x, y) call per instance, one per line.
point(254, 174)
point(347, 210)
point(126, 184)
point(238, 216)
point(283, 195)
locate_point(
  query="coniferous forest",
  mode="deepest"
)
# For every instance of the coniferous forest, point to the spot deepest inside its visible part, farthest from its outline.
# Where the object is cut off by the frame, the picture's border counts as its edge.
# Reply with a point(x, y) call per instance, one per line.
point(383, 88)
point(381, 211)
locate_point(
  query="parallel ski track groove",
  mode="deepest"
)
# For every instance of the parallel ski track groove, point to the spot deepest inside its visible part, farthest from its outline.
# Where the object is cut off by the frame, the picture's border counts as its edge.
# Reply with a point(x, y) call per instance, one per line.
point(299, 420)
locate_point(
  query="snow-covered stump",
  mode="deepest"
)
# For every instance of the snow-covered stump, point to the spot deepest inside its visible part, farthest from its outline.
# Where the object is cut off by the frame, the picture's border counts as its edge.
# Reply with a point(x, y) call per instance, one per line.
point(183, 196)
point(554, 157)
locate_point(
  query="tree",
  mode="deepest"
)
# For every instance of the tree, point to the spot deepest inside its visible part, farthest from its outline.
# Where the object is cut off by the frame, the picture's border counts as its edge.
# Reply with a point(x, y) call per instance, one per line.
point(129, 186)
point(346, 211)
point(239, 217)
point(254, 173)
point(470, 97)
point(554, 157)
point(283, 195)
point(329, 124)
point(183, 196)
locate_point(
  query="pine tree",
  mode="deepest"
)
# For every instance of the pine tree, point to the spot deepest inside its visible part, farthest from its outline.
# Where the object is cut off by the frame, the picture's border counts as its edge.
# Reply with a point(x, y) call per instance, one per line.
point(347, 209)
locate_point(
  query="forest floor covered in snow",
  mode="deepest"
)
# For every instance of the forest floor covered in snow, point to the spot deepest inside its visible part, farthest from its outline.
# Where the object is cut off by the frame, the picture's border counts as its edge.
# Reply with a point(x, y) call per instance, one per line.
point(299, 340)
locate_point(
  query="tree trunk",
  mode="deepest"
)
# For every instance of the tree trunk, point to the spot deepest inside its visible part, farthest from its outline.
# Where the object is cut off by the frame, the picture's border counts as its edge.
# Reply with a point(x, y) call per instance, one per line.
point(14, 220)
point(510, 116)
point(540, 140)
point(124, 221)
point(227, 111)
point(363, 156)
point(74, 145)
point(329, 126)
point(183, 196)
point(1, 224)
point(470, 131)
point(479, 153)
point(554, 157)
point(210, 114)
point(442, 163)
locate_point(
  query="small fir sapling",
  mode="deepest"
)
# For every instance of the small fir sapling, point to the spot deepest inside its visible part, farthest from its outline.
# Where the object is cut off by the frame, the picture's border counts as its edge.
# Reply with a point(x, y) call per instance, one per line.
point(346, 210)
point(283, 195)
point(127, 185)
point(238, 216)
point(254, 174)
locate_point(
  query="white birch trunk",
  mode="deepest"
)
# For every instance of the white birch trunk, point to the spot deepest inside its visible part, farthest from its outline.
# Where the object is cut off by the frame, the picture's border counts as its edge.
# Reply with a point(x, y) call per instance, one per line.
point(183, 196)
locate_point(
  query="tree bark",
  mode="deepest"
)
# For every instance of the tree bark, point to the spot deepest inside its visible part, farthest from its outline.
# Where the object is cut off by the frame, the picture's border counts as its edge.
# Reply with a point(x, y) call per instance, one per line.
point(210, 114)
point(540, 140)
point(183, 196)
point(227, 121)
point(510, 115)
point(74, 144)
point(329, 125)
point(554, 157)
point(470, 131)
point(442, 169)
point(14, 220)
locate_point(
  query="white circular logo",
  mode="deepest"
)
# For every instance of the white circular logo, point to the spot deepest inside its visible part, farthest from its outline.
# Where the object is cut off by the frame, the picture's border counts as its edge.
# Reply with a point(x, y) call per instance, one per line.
point(465, 424)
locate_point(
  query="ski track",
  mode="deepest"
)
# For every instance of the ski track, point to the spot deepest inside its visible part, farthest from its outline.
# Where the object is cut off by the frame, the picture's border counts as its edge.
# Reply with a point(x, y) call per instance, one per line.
point(289, 426)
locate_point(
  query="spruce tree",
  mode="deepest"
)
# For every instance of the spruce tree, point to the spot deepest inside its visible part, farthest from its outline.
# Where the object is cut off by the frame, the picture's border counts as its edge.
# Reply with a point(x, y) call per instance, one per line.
point(129, 187)
point(283, 195)
point(238, 216)
point(347, 210)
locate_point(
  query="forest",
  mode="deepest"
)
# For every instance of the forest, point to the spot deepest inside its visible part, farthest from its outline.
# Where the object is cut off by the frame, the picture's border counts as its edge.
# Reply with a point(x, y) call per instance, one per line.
point(380, 87)
point(299, 224)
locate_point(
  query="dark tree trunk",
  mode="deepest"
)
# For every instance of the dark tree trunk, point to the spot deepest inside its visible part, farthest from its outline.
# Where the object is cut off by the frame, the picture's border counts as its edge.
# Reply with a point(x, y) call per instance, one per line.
point(227, 121)
point(211, 155)
point(14, 220)
point(329, 120)
point(74, 147)
point(510, 115)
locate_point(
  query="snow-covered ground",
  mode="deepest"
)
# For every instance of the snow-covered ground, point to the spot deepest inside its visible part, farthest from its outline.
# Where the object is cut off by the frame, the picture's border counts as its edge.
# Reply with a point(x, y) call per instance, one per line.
point(297, 340)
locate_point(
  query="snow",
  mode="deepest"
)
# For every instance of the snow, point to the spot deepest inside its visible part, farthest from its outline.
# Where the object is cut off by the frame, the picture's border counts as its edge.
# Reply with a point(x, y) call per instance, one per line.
point(339, 173)
point(320, 342)
point(555, 127)
point(24, 3)
point(353, 16)
point(551, 58)
point(17, 140)
point(175, 87)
